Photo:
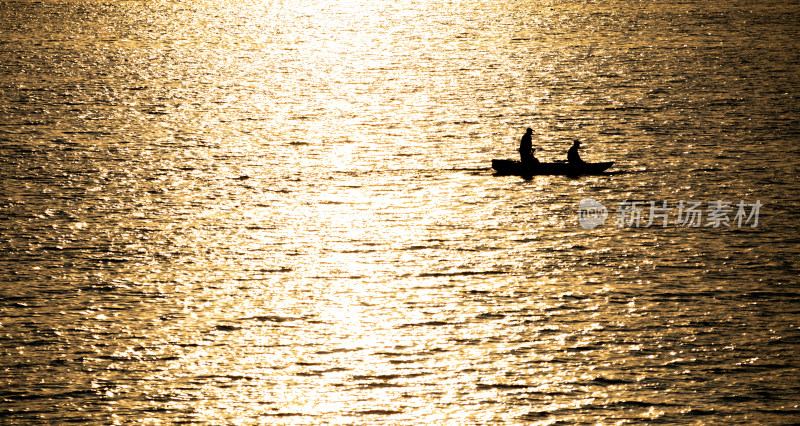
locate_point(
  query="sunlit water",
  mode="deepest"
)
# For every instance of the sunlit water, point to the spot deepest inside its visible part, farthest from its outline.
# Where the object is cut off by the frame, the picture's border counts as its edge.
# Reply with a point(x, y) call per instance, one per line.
point(283, 212)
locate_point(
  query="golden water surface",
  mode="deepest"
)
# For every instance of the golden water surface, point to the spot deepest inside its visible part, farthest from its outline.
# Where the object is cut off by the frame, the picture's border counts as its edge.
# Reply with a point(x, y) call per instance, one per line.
point(283, 212)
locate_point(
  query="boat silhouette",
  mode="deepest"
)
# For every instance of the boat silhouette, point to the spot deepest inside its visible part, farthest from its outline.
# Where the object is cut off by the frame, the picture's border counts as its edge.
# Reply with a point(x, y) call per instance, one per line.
point(515, 168)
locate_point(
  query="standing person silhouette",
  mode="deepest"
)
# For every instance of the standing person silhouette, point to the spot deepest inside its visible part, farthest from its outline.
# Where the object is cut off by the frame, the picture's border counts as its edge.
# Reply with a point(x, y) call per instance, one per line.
point(526, 149)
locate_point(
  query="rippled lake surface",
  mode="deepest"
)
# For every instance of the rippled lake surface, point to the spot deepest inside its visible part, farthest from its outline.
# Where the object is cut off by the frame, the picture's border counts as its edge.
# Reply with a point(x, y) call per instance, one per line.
point(283, 212)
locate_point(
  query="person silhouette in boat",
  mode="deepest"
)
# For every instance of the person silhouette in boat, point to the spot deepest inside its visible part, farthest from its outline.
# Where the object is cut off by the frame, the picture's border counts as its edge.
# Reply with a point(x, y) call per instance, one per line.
point(526, 150)
point(573, 158)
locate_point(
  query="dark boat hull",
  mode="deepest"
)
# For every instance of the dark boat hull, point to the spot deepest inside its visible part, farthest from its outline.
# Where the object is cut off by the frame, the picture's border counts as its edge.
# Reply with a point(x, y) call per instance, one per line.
point(511, 167)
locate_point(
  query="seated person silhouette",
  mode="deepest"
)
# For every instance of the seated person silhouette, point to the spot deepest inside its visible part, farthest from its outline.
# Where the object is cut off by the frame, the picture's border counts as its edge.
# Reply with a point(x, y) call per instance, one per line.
point(573, 157)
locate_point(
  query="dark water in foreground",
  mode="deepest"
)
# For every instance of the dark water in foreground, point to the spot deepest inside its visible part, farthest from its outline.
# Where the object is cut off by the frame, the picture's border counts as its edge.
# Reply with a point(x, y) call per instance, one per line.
point(282, 212)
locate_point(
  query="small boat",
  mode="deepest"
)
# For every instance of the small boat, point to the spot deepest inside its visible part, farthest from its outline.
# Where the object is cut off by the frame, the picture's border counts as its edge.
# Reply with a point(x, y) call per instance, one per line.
point(512, 167)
